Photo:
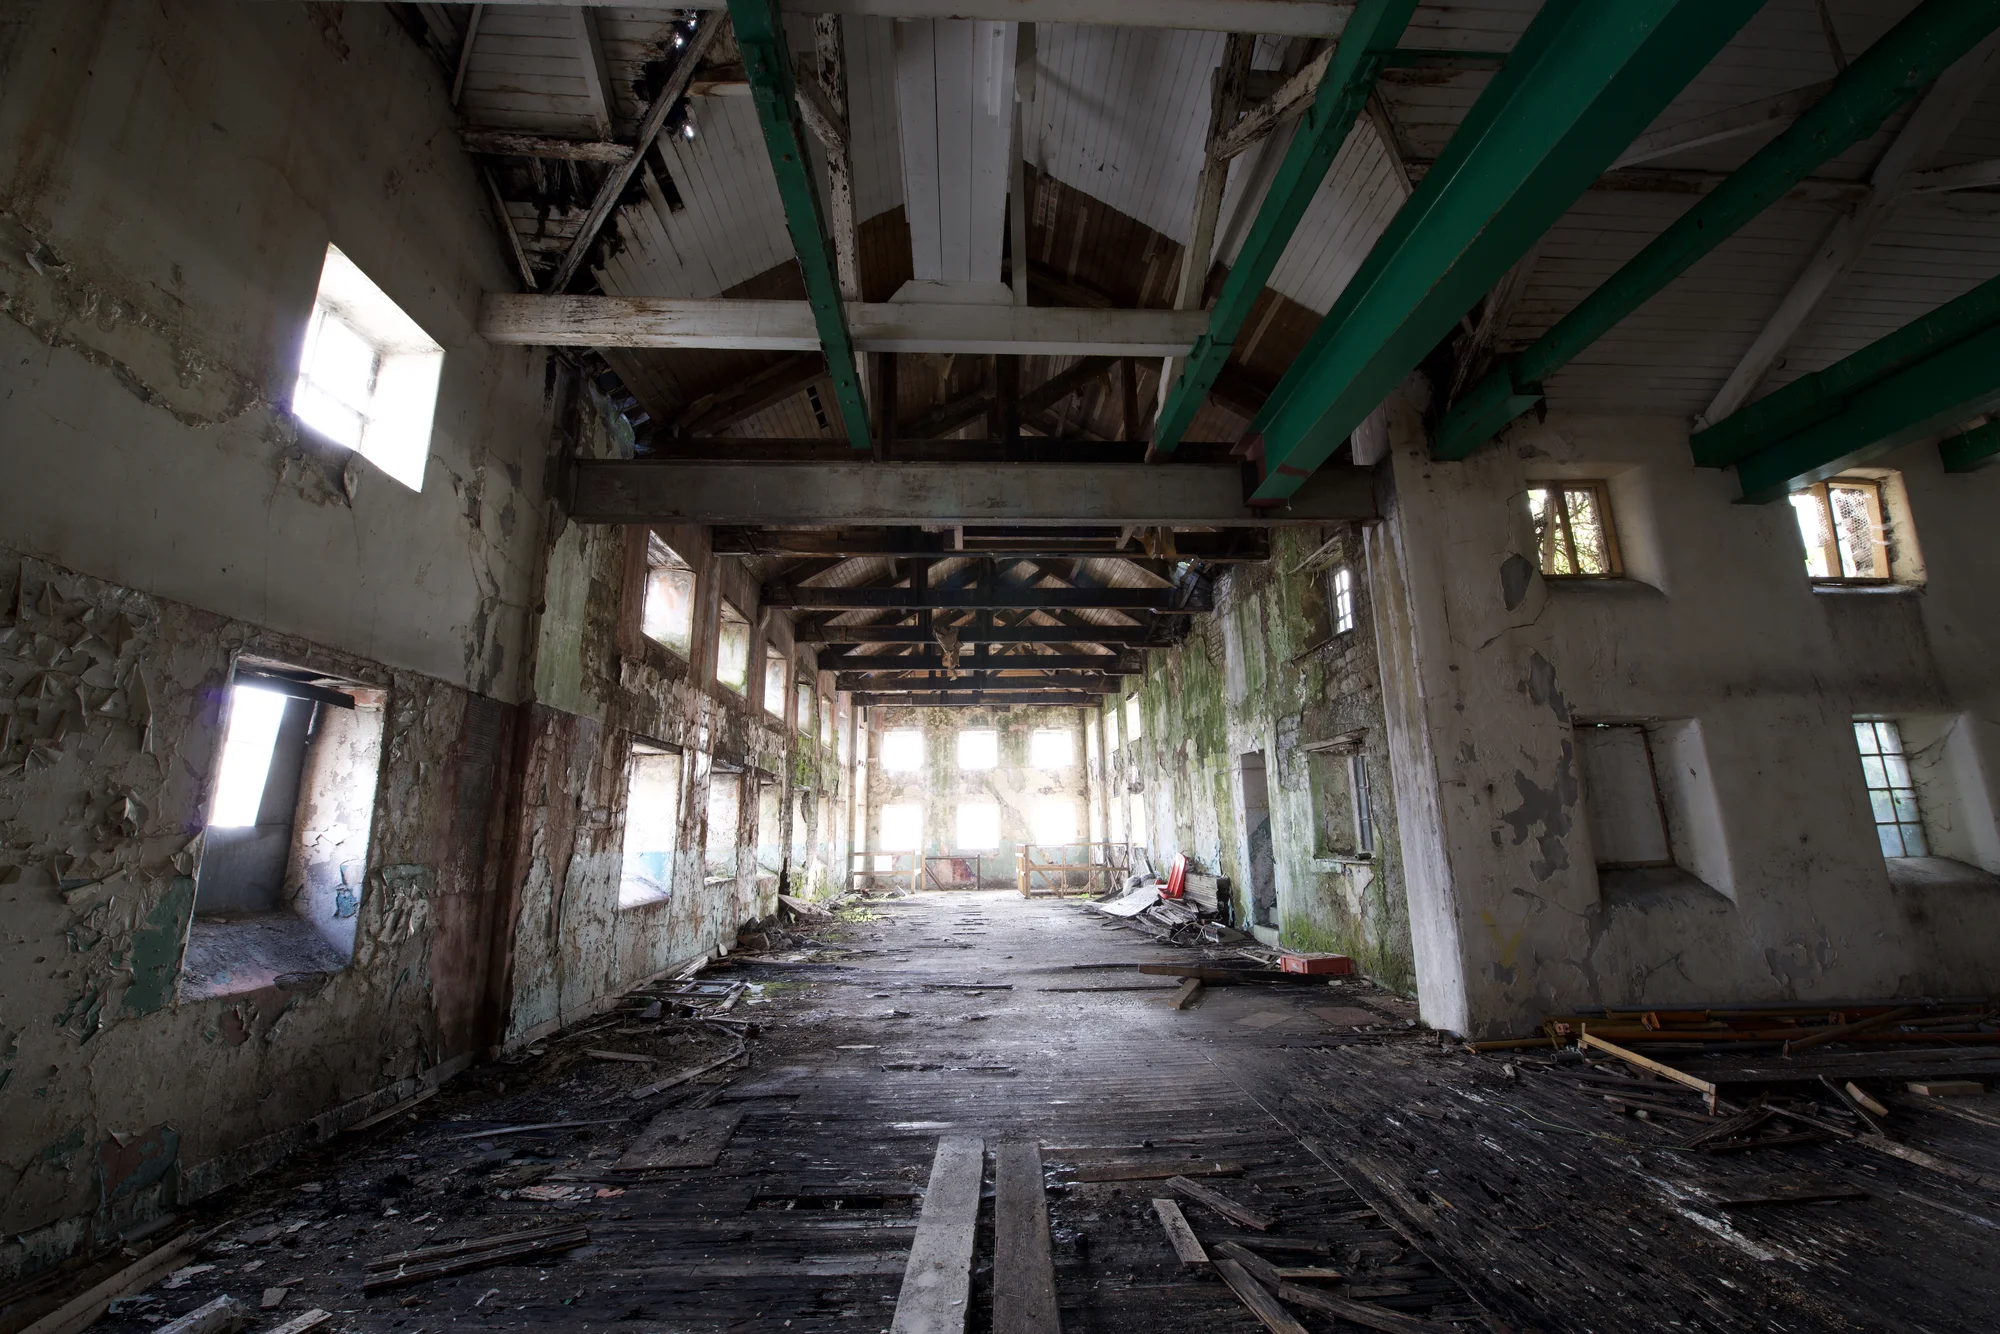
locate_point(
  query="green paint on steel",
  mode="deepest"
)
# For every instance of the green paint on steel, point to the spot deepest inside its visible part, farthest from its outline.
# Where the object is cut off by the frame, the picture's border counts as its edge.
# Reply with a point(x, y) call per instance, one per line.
point(1883, 79)
point(1973, 449)
point(155, 950)
point(1365, 46)
point(1943, 389)
point(1814, 398)
point(1582, 82)
point(767, 63)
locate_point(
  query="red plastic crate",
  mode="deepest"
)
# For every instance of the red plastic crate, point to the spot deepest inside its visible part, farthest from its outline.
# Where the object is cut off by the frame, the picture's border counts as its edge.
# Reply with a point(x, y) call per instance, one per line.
point(1325, 965)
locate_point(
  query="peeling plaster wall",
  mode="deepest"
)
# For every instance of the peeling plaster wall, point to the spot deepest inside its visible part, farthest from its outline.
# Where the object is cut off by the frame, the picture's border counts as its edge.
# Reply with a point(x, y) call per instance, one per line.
point(112, 709)
point(1013, 785)
point(1720, 636)
point(1269, 673)
point(600, 686)
point(170, 177)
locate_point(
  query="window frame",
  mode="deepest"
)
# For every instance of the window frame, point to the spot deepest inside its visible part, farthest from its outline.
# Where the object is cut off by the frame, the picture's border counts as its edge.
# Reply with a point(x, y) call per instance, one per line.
point(1600, 491)
point(637, 749)
point(1340, 590)
point(662, 557)
point(992, 761)
point(728, 621)
point(777, 703)
point(1831, 553)
point(1889, 787)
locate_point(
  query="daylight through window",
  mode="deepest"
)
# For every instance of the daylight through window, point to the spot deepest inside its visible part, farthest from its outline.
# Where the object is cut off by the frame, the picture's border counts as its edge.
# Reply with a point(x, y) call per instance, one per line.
point(978, 827)
point(774, 683)
point(1053, 822)
point(254, 716)
point(1892, 798)
point(1840, 523)
point(368, 373)
point(1343, 600)
point(669, 611)
point(1052, 748)
point(732, 649)
point(1573, 534)
point(978, 748)
point(652, 815)
point(903, 750)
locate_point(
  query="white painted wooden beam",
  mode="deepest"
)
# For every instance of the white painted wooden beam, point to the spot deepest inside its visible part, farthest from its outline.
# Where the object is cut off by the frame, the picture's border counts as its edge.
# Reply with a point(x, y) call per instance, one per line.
point(1057, 494)
point(784, 326)
point(1965, 176)
point(955, 116)
point(1292, 98)
point(596, 76)
point(1277, 18)
point(1922, 135)
point(1766, 113)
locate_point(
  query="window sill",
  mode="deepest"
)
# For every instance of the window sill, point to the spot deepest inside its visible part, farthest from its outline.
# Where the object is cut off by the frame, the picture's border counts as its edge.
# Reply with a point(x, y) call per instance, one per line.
point(1611, 585)
point(1912, 873)
point(1340, 862)
point(1877, 589)
point(227, 956)
point(649, 901)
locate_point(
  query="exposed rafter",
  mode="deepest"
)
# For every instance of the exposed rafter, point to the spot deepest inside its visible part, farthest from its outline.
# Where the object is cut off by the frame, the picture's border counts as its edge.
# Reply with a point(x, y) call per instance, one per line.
point(1883, 79)
point(1357, 60)
point(822, 630)
point(1766, 113)
point(1921, 137)
point(986, 697)
point(1227, 545)
point(1161, 600)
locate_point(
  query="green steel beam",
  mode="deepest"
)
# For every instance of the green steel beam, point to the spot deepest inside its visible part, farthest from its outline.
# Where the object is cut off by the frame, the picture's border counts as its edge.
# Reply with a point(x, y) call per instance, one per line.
point(767, 63)
point(1920, 399)
point(1581, 83)
point(1365, 46)
point(1973, 449)
point(1812, 399)
point(1882, 79)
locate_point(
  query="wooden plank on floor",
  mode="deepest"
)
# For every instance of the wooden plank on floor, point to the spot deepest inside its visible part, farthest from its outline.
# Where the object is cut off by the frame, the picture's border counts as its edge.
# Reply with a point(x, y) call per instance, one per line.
point(938, 1278)
point(1257, 1298)
point(1186, 1245)
point(1220, 1203)
point(682, 1138)
point(1157, 1171)
point(1024, 1274)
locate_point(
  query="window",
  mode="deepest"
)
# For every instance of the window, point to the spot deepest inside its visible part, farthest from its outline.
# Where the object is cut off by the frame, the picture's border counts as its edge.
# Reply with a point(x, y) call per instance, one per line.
point(902, 750)
point(774, 683)
point(802, 695)
point(1132, 729)
point(1840, 523)
point(732, 650)
point(1891, 797)
point(1110, 727)
point(1090, 746)
point(902, 828)
point(978, 748)
point(770, 825)
point(718, 851)
point(1573, 533)
point(978, 827)
point(368, 374)
point(1052, 748)
point(1138, 818)
point(669, 612)
point(1364, 809)
point(826, 725)
point(1343, 600)
point(1053, 822)
point(284, 853)
point(652, 818)
point(840, 726)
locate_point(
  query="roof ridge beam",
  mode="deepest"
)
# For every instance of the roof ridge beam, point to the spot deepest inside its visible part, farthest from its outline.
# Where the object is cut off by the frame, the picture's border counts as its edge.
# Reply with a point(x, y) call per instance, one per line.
point(1882, 79)
point(1582, 81)
point(1356, 62)
point(767, 60)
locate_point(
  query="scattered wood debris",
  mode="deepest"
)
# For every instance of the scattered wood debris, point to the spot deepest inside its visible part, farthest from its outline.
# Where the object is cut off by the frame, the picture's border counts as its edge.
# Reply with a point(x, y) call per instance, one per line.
point(1220, 1203)
point(406, 1268)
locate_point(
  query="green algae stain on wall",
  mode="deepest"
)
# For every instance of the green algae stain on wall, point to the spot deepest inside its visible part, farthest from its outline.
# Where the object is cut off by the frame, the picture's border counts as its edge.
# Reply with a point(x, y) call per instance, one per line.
point(155, 950)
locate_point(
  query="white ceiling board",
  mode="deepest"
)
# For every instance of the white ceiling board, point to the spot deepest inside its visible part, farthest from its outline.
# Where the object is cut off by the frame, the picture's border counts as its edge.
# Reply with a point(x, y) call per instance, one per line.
point(955, 109)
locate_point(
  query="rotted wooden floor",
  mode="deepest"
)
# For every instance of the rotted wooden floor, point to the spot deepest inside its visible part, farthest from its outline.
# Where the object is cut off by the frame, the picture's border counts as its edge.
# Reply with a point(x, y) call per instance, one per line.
point(1440, 1186)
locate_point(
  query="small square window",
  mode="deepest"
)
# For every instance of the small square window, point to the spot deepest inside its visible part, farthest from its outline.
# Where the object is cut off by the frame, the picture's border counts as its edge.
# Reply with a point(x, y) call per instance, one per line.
point(978, 827)
point(1054, 822)
point(1574, 538)
point(1052, 748)
point(774, 683)
point(669, 611)
point(1111, 727)
point(902, 828)
point(1892, 797)
point(1343, 600)
point(1132, 722)
point(652, 817)
point(803, 694)
point(903, 750)
point(1840, 523)
point(826, 724)
point(732, 650)
point(368, 374)
point(978, 748)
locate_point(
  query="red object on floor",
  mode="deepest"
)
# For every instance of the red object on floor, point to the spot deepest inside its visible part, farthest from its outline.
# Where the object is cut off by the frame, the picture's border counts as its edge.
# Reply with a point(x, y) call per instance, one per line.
point(1327, 965)
point(1176, 877)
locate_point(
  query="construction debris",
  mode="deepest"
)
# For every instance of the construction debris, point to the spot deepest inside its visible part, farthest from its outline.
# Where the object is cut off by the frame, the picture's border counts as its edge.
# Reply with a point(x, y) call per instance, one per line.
point(406, 1268)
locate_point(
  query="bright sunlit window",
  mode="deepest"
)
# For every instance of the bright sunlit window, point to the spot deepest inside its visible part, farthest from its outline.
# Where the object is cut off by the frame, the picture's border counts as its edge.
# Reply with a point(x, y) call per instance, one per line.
point(1840, 523)
point(902, 828)
point(978, 748)
point(1343, 600)
point(254, 716)
point(732, 649)
point(978, 827)
point(1133, 731)
point(902, 750)
point(652, 818)
point(774, 683)
point(803, 692)
point(1053, 822)
point(368, 373)
point(1574, 538)
point(1052, 748)
point(669, 612)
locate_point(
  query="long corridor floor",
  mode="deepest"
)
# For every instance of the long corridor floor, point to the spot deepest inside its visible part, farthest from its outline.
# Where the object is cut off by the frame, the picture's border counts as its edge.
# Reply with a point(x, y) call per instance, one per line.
point(1445, 1190)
